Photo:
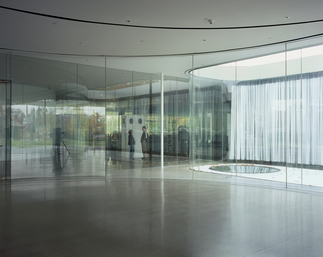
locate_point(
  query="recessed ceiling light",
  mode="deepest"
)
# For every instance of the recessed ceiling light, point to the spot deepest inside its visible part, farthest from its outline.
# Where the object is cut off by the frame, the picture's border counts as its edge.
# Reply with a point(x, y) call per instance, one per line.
point(204, 39)
point(128, 21)
point(211, 21)
point(286, 17)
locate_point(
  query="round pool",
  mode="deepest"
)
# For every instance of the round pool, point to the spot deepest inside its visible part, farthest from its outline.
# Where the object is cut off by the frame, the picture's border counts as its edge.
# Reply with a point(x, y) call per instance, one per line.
point(243, 168)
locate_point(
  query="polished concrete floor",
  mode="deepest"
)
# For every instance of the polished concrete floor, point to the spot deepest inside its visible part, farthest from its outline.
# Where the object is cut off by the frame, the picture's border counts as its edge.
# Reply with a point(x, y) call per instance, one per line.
point(229, 216)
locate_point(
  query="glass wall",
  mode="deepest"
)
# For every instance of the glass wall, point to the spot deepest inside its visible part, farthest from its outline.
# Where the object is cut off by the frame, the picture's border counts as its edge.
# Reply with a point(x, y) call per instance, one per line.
point(5, 142)
point(273, 119)
point(254, 117)
point(75, 117)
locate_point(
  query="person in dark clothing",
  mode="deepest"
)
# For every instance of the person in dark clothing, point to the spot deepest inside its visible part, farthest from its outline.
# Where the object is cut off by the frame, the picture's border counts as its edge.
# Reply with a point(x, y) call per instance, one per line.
point(131, 142)
point(144, 140)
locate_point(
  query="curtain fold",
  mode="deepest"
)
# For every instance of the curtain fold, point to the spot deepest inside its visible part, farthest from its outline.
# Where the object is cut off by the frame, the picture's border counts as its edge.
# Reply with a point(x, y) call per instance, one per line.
point(276, 121)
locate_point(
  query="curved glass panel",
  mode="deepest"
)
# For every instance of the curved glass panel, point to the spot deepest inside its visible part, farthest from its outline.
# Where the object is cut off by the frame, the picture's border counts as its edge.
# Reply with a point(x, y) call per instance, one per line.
point(84, 116)
point(275, 114)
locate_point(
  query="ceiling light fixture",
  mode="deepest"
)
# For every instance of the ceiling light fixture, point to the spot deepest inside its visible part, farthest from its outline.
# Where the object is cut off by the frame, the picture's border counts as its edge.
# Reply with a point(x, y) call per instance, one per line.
point(211, 21)
point(286, 17)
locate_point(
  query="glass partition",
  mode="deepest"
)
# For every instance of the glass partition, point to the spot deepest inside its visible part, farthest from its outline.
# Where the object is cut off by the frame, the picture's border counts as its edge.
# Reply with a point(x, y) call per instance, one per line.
point(211, 117)
point(312, 114)
point(260, 116)
point(257, 116)
point(5, 134)
point(74, 118)
point(294, 119)
point(275, 112)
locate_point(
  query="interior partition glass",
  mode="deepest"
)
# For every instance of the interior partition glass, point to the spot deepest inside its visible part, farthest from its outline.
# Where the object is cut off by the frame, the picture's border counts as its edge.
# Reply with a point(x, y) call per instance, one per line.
point(89, 118)
point(211, 105)
point(295, 112)
point(148, 98)
point(261, 117)
point(177, 127)
point(58, 117)
point(254, 116)
point(5, 134)
point(132, 123)
point(312, 115)
point(33, 80)
point(119, 105)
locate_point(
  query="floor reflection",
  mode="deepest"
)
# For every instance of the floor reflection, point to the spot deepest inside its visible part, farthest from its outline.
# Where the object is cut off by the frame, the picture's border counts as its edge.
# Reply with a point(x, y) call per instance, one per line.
point(56, 161)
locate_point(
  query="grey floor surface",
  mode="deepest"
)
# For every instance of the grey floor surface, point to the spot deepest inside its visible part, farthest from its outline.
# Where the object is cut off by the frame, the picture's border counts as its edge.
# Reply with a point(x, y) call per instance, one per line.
point(151, 217)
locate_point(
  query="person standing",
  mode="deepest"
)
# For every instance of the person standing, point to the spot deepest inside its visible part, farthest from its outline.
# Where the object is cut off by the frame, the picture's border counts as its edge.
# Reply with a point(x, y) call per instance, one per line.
point(131, 142)
point(144, 140)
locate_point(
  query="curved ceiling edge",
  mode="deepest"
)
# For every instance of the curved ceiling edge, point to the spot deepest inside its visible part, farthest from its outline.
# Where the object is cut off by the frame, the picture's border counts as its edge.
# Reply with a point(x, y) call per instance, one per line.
point(161, 27)
point(171, 55)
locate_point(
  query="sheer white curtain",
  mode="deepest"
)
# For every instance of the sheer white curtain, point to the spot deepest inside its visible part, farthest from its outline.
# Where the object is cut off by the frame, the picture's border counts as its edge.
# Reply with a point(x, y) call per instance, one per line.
point(259, 125)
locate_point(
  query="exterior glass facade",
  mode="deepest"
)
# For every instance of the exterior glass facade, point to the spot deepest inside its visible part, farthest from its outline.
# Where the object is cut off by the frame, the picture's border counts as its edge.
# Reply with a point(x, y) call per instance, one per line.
point(270, 113)
point(72, 118)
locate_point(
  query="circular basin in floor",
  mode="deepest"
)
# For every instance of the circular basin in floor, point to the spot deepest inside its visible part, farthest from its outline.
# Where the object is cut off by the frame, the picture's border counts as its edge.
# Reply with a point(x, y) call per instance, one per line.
point(243, 168)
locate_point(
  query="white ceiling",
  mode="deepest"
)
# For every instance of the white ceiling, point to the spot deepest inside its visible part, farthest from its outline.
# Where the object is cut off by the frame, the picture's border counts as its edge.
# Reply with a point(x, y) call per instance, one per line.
point(188, 32)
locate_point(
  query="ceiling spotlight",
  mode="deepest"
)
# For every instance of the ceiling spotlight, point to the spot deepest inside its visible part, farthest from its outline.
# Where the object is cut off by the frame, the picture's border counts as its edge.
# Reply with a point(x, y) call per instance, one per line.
point(286, 17)
point(209, 20)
